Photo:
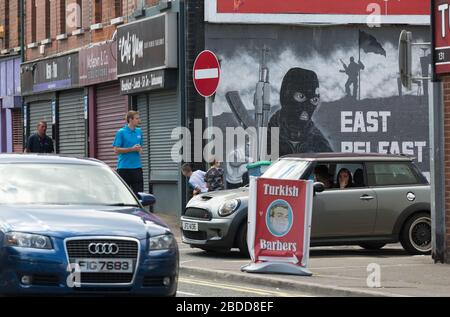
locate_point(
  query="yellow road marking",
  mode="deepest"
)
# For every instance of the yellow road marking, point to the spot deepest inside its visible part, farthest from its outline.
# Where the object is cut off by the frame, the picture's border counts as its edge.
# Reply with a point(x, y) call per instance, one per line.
point(237, 288)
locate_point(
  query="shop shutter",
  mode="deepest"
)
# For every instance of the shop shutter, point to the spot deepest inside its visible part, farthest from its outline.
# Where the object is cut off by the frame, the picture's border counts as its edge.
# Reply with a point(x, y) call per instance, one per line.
point(17, 129)
point(142, 107)
point(163, 112)
point(72, 125)
point(110, 117)
point(41, 111)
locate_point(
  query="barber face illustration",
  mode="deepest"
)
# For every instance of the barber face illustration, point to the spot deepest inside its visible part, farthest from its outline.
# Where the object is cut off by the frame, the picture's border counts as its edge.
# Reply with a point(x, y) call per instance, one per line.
point(279, 218)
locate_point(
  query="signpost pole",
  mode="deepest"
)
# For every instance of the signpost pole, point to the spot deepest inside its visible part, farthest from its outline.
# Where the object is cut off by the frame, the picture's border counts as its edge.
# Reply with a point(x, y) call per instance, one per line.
point(437, 155)
point(209, 116)
point(437, 159)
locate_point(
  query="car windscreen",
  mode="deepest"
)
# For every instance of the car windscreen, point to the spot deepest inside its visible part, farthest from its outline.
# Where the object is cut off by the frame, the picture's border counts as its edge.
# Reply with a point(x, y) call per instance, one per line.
point(287, 169)
point(62, 184)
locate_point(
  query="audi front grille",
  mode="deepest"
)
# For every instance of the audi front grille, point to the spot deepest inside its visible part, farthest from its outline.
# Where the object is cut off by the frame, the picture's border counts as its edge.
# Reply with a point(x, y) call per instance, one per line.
point(78, 248)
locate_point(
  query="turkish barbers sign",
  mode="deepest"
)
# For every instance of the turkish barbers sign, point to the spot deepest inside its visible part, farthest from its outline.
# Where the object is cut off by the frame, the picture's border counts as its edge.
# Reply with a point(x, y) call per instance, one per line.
point(147, 45)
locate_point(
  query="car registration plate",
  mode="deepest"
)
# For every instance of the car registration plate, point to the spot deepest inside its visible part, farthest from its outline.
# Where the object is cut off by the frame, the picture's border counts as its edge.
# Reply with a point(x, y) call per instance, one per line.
point(105, 265)
point(190, 226)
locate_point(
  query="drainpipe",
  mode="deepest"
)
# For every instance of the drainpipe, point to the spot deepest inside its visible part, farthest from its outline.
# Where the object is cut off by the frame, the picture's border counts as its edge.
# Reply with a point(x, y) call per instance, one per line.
point(22, 30)
point(22, 59)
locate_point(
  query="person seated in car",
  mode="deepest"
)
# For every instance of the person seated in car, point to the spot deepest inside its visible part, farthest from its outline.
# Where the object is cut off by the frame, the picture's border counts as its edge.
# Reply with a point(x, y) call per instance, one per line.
point(322, 175)
point(344, 179)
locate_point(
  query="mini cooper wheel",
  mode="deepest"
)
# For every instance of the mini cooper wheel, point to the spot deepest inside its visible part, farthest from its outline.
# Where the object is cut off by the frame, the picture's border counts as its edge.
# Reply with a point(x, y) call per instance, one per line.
point(416, 234)
point(242, 240)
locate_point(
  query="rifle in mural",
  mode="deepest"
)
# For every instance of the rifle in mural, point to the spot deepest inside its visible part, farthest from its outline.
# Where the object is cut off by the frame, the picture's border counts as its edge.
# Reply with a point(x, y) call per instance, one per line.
point(238, 108)
point(261, 103)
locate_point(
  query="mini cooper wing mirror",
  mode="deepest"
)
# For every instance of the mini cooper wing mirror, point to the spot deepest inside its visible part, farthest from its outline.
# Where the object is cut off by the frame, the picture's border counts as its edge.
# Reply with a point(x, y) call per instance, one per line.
point(146, 199)
point(318, 187)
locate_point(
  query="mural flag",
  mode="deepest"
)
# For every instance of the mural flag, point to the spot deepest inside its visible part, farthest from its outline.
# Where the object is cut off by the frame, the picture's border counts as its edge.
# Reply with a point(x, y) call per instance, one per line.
point(369, 44)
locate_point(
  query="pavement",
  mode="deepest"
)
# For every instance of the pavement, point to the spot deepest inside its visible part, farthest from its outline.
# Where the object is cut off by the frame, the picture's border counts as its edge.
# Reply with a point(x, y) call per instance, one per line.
point(337, 271)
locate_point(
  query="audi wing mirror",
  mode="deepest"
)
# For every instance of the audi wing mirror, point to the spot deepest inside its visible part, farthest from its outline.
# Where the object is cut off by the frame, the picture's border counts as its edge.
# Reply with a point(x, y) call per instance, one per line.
point(146, 199)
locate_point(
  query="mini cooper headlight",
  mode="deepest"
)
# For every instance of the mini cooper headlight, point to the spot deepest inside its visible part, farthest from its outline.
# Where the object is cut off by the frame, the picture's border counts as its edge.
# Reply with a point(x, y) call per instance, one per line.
point(163, 242)
point(229, 207)
point(27, 240)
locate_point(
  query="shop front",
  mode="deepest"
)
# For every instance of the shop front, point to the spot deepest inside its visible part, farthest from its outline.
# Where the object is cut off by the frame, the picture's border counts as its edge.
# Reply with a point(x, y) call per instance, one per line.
point(10, 106)
point(107, 106)
point(52, 94)
point(148, 73)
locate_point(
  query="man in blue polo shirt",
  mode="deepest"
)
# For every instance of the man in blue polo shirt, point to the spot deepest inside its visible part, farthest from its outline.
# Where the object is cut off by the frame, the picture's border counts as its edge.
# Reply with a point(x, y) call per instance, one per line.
point(128, 145)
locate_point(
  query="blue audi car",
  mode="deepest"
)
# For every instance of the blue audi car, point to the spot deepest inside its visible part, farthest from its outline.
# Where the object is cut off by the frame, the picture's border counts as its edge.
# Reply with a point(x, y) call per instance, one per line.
point(71, 226)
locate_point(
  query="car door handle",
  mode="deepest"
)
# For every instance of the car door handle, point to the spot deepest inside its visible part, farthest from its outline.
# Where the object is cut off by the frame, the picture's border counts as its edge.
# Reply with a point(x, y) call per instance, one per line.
point(366, 197)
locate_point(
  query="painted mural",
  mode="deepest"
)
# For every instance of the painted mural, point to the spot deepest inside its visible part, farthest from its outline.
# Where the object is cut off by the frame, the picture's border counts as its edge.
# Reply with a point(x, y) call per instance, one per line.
point(328, 89)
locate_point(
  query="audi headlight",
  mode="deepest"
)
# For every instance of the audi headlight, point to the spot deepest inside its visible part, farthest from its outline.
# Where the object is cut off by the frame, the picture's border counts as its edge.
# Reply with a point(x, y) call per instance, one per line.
point(26, 240)
point(163, 242)
point(229, 207)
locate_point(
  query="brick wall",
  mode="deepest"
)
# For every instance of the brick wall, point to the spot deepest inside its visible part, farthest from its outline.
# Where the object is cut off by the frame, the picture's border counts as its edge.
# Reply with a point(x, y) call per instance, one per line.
point(72, 42)
point(446, 92)
point(9, 19)
point(14, 24)
point(2, 22)
point(57, 9)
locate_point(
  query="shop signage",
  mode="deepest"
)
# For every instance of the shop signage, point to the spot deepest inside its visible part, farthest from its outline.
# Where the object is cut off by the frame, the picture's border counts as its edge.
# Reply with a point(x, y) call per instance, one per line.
point(441, 29)
point(147, 45)
point(50, 74)
point(159, 79)
point(98, 64)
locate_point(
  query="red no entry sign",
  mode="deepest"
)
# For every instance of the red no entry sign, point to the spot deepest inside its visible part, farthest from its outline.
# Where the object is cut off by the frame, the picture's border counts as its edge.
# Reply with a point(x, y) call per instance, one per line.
point(206, 73)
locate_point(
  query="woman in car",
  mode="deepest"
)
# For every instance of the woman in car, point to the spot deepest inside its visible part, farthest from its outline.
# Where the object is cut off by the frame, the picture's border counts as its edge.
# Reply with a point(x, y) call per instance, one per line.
point(344, 179)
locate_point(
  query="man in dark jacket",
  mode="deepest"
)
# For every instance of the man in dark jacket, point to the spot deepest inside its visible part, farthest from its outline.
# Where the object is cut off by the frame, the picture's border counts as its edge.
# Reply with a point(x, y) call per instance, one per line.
point(40, 142)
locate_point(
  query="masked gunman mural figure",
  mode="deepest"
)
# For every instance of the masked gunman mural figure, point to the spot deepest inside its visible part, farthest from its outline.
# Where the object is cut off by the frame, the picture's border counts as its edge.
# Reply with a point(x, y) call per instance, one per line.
point(299, 97)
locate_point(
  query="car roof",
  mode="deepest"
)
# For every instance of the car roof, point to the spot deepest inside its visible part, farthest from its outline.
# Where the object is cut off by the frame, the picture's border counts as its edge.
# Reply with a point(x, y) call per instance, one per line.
point(47, 159)
point(348, 157)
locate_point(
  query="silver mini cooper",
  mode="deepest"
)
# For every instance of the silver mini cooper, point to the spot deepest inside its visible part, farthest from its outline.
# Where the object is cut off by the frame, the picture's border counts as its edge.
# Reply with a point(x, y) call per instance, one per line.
point(381, 199)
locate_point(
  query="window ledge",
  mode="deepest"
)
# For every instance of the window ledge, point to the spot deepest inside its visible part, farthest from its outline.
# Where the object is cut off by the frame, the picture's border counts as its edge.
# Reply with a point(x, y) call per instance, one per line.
point(61, 37)
point(78, 32)
point(3, 52)
point(17, 49)
point(46, 41)
point(117, 21)
point(97, 26)
point(32, 45)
